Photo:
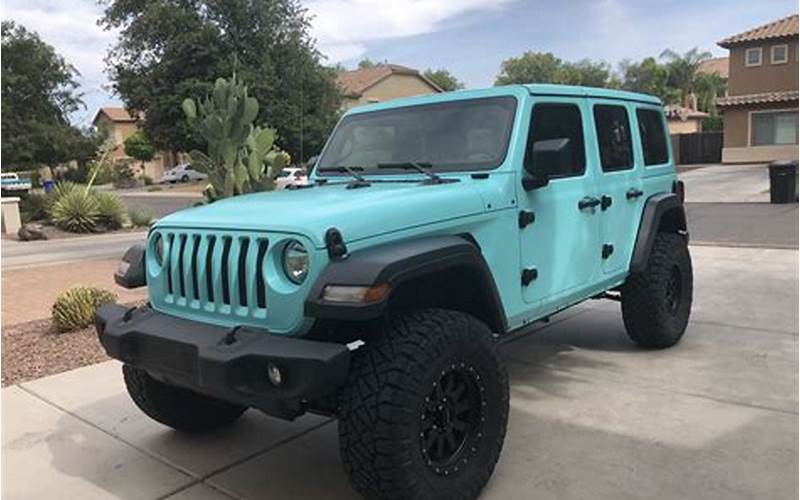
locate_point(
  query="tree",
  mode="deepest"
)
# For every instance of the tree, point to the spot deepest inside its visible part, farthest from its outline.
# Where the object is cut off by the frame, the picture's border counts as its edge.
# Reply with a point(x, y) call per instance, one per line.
point(170, 50)
point(444, 79)
point(544, 67)
point(650, 77)
point(366, 63)
point(682, 70)
point(139, 147)
point(38, 94)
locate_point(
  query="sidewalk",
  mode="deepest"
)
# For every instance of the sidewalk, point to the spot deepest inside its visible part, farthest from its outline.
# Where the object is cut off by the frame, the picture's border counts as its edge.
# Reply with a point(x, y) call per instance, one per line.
point(591, 415)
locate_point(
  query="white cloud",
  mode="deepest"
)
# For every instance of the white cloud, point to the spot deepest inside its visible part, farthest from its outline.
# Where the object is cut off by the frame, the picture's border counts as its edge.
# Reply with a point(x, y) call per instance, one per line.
point(344, 28)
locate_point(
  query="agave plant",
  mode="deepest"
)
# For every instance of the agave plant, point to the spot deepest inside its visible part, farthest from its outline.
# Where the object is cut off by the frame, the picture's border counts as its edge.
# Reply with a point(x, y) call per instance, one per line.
point(75, 210)
point(110, 210)
point(76, 306)
point(241, 158)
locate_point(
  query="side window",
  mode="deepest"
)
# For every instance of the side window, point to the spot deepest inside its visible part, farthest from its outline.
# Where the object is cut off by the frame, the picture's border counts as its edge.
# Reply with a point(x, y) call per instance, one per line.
point(613, 137)
point(651, 132)
point(558, 121)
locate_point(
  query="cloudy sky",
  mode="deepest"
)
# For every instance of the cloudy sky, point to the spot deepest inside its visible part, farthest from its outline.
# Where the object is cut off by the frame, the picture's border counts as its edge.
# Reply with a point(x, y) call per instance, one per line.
point(468, 37)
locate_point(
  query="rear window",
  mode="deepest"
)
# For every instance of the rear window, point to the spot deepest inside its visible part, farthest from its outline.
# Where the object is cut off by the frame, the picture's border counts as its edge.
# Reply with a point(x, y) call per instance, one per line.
point(613, 137)
point(654, 140)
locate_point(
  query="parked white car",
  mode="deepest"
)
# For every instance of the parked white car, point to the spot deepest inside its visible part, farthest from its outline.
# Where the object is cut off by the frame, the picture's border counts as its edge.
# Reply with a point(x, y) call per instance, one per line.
point(12, 184)
point(181, 173)
point(291, 176)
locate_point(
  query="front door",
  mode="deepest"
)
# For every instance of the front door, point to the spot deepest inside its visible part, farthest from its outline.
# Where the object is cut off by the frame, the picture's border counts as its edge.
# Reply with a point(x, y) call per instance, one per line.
point(560, 240)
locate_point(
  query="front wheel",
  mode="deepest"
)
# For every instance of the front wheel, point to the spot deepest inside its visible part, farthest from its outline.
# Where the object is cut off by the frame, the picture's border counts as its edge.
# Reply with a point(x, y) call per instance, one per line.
point(177, 407)
point(657, 301)
point(424, 412)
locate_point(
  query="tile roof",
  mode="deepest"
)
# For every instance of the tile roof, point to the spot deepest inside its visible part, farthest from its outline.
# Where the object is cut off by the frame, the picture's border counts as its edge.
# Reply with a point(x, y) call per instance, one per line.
point(763, 98)
point(115, 114)
point(784, 27)
point(354, 83)
point(718, 65)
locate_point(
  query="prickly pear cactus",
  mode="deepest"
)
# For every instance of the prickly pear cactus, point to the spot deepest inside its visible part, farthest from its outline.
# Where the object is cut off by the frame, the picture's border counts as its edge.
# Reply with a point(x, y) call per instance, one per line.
point(241, 158)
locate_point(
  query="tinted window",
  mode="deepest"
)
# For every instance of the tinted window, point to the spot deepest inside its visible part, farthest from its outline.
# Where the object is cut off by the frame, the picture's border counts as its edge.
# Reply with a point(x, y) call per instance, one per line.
point(557, 121)
point(613, 137)
point(654, 141)
point(470, 134)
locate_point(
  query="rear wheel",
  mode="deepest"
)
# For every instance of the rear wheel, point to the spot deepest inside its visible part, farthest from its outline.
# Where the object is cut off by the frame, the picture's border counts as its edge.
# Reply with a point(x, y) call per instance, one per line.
point(177, 407)
point(657, 301)
point(424, 413)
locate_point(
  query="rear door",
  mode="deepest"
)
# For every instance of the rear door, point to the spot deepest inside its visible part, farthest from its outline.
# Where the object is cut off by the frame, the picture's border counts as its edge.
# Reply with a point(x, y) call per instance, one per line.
point(619, 183)
point(559, 241)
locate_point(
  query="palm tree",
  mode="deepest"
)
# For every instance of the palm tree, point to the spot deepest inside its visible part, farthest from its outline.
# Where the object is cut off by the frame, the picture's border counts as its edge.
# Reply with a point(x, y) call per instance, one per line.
point(683, 71)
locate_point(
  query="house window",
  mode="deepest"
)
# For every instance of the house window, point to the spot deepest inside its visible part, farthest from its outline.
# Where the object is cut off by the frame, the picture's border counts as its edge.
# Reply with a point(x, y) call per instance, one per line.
point(752, 57)
point(773, 128)
point(613, 137)
point(780, 54)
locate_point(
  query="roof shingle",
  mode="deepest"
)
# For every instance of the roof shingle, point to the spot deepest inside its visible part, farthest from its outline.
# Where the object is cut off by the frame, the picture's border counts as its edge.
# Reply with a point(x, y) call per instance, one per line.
point(763, 98)
point(354, 83)
point(115, 114)
point(784, 27)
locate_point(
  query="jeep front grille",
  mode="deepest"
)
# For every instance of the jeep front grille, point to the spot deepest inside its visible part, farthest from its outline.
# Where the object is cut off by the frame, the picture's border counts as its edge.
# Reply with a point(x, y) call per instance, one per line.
point(216, 272)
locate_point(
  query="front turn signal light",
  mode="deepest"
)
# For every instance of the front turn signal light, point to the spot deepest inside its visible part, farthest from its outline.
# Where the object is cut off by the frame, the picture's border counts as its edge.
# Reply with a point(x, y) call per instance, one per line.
point(355, 294)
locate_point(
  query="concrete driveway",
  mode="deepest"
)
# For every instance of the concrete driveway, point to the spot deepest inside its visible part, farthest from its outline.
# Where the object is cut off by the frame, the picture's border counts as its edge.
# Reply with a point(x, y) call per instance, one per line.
point(591, 415)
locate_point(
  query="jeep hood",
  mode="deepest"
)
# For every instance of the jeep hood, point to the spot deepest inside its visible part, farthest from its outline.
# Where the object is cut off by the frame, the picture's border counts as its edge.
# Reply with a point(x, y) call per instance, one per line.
point(360, 213)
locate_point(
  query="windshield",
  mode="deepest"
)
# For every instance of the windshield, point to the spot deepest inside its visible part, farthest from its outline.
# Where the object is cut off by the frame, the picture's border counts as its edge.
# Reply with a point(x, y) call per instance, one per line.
point(469, 134)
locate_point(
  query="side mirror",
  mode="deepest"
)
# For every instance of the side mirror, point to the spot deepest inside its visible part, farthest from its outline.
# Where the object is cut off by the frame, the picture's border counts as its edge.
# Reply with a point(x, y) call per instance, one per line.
point(549, 157)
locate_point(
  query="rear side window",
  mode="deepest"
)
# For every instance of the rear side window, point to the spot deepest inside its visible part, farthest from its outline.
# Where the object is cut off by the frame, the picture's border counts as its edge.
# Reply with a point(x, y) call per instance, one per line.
point(558, 121)
point(613, 137)
point(654, 140)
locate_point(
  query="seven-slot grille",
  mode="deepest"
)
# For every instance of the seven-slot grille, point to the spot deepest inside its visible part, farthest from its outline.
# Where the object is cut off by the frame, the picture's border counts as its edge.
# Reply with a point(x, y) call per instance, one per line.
point(217, 272)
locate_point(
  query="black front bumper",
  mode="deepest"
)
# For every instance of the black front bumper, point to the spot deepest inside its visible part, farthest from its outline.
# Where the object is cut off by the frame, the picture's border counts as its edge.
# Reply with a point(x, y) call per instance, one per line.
point(226, 363)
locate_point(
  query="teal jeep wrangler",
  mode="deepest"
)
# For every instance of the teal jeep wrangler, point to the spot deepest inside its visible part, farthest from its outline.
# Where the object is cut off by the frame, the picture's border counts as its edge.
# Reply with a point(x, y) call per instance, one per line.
point(432, 230)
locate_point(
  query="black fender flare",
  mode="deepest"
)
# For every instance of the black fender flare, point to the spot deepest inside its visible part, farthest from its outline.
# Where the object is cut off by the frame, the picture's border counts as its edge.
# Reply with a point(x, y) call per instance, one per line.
point(662, 212)
point(394, 264)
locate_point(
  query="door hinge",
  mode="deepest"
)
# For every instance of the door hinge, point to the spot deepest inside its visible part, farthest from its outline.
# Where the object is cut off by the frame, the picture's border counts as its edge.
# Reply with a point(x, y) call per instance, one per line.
point(607, 250)
point(605, 202)
point(525, 218)
point(528, 275)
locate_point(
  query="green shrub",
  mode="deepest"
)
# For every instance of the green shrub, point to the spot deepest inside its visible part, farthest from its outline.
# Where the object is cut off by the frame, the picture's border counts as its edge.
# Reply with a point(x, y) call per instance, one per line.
point(140, 217)
point(152, 189)
point(74, 209)
point(148, 181)
point(122, 175)
point(111, 211)
point(34, 207)
point(76, 306)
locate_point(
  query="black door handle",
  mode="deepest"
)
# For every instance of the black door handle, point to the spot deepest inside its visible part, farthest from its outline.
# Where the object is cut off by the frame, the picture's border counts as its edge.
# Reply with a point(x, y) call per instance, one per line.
point(588, 202)
point(633, 193)
point(605, 202)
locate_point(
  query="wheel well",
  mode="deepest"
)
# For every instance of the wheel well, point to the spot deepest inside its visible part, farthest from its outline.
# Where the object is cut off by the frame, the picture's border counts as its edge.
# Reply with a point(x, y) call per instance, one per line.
point(457, 288)
point(672, 221)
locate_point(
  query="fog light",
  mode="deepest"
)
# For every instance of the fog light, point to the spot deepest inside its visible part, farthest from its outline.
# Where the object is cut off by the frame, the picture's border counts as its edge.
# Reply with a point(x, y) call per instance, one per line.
point(275, 376)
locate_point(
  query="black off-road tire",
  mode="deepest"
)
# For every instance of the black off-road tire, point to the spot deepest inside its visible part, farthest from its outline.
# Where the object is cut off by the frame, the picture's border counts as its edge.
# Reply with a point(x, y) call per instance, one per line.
point(176, 407)
point(657, 301)
point(389, 440)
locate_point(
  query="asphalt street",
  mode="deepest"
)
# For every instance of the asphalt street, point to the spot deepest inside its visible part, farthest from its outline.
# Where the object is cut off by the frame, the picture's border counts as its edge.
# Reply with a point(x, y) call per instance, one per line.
point(747, 224)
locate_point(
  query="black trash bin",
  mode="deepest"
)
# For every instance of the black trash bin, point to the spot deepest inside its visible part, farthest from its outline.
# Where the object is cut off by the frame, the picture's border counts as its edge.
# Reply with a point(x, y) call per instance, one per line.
point(783, 181)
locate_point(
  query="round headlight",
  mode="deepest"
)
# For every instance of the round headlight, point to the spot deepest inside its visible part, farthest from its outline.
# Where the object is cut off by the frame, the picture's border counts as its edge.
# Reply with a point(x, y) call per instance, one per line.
point(295, 261)
point(158, 248)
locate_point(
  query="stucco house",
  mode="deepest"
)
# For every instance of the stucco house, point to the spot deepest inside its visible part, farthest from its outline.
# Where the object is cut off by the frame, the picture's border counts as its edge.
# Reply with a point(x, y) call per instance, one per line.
point(382, 82)
point(760, 110)
point(683, 120)
point(119, 125)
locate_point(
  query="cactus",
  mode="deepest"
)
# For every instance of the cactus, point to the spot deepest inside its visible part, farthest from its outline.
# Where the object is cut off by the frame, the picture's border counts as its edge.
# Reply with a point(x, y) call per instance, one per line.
point(76, 306)
point(241, 158)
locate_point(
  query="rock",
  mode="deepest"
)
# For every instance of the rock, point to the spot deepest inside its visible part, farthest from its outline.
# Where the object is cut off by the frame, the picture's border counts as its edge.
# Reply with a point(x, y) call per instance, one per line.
point(31, 231)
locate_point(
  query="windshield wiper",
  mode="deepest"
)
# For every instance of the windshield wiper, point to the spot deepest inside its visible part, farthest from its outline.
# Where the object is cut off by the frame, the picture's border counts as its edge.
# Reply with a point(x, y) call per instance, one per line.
point(360, 181)
point(415, 165)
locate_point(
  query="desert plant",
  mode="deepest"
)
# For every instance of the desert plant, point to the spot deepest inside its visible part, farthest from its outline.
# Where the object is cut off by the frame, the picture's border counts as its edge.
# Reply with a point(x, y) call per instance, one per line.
point(140, 217)
point(73, 209)
point(76, 306)
point(34, 207)
point(122, 175)
point(148, 181)
point(110, 210)
point(241, 158)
